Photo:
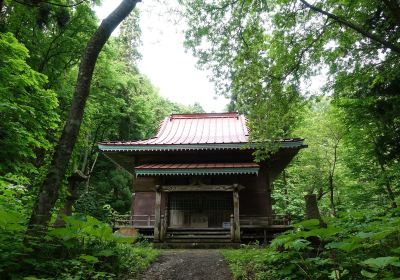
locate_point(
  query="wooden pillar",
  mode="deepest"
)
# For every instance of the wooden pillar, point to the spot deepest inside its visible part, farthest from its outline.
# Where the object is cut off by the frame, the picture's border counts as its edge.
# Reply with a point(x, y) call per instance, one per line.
point(157, 214)
point(162, 228)
point(132, 207)
point(236, 219)
point(232, 228)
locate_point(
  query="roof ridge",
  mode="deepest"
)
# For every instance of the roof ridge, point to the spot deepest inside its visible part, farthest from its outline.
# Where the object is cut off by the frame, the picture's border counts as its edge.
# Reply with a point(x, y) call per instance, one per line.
point(205, 115)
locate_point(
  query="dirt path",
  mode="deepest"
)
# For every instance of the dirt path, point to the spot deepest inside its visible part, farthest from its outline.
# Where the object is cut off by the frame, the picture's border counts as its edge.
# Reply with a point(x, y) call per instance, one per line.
point(193, 264)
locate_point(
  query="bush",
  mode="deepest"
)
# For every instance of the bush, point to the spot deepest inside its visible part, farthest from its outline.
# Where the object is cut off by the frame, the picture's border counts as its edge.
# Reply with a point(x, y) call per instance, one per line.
point(355, 246)
point(84, 249)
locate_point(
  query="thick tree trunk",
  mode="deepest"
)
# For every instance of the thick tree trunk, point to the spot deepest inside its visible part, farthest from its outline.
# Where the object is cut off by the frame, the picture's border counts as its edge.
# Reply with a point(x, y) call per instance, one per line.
point(51, 186)
point(312, 210)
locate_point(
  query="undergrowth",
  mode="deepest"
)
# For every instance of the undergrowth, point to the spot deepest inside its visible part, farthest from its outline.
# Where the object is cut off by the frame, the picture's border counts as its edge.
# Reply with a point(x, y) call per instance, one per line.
point(85, 248)
point(355, 246)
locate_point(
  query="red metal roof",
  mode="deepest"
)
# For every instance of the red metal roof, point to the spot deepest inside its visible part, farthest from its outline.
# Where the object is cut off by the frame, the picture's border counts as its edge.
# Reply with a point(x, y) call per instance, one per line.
point(206, 131)
point(207, 128)
point(197, 165)
point(159, 169)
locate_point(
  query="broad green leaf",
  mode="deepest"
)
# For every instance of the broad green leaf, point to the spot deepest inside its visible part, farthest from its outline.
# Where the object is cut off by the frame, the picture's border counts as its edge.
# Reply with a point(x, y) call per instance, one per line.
point(344, 246)
point(89, 259)
point(381, 262)
point(105, 253)
point(368, 274)
point(309, 224)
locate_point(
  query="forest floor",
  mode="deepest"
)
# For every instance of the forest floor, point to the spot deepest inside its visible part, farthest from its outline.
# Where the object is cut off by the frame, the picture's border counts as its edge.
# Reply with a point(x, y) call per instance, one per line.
point(195, 264)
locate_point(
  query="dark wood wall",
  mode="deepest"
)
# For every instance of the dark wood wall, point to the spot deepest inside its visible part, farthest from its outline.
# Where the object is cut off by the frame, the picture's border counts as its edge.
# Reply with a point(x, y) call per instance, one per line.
point(254, 199)
point(143, 203)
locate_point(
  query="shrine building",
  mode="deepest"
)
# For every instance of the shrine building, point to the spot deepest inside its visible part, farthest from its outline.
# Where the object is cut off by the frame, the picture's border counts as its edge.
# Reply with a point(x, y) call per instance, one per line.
point(196, 181)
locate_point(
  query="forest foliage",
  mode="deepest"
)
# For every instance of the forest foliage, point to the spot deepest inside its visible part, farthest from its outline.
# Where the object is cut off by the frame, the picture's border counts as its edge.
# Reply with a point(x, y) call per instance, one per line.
point(326, 71)
point(40, 47)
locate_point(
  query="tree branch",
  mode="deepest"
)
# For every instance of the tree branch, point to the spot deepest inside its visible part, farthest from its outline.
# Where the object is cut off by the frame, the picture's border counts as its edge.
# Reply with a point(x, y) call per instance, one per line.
point(355, 27)
point(50, 3)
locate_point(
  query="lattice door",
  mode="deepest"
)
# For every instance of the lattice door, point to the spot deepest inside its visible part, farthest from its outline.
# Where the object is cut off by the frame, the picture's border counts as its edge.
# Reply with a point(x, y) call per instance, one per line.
point(194, 209)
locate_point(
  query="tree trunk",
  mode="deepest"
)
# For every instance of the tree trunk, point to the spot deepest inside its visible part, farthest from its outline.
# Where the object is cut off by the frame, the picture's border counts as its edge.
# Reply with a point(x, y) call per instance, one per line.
point(331, 195)
point(73, 194)
point(388, 187)
point(312, 210)
point(50, 188)
point(331, 174)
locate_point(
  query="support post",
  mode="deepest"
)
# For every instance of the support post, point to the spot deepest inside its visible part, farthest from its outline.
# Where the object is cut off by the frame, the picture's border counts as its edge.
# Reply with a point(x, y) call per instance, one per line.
point(162, 229)
point(132, 218)
point(157, 213)
point(232, 228)
point(236, 213)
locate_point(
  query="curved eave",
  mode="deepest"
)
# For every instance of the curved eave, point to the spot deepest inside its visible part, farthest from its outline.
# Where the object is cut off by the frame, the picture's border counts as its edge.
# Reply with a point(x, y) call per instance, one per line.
point(205, 171)
point(190, 147)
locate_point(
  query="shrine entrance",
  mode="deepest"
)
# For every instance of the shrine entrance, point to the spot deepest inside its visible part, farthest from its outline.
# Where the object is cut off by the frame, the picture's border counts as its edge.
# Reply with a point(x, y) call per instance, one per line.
point(199, 209)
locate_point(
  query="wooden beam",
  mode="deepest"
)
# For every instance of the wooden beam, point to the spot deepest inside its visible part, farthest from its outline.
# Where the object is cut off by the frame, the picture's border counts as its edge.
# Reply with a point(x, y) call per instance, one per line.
point(157, 208)
point(199, 188)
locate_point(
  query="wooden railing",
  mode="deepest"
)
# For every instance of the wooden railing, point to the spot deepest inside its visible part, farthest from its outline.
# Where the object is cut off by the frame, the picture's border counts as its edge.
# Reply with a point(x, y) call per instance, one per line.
point(274, 220)
point(147, 221)
point(137, 221)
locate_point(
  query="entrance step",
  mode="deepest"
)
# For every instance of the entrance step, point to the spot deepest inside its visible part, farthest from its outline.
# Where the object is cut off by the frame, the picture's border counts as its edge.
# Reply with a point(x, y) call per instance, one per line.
point(188, 236)
point(197, 240)
point(200, 230)
point(196, 245)
point(199, 236)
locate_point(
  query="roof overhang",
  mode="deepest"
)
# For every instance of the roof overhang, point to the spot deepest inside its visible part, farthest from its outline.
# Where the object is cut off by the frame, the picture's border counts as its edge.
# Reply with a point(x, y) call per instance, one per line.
point(197, 169)
point(107, 147)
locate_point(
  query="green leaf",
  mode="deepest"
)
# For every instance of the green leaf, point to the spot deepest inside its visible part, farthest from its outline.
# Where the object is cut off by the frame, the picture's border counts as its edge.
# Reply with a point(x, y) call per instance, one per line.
point(381, 262)
point(309, 224)
point(298, 244)
point(344, 246)
point(368, 274)
point(89, 259)
point(395, 250)
point(105, 253)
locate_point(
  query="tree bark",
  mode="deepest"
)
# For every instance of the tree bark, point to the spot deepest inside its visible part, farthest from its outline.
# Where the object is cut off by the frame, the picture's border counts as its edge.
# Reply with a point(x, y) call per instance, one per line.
point(50, 188)
point(73, 194)
point(331, 195)
point(331, 177)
